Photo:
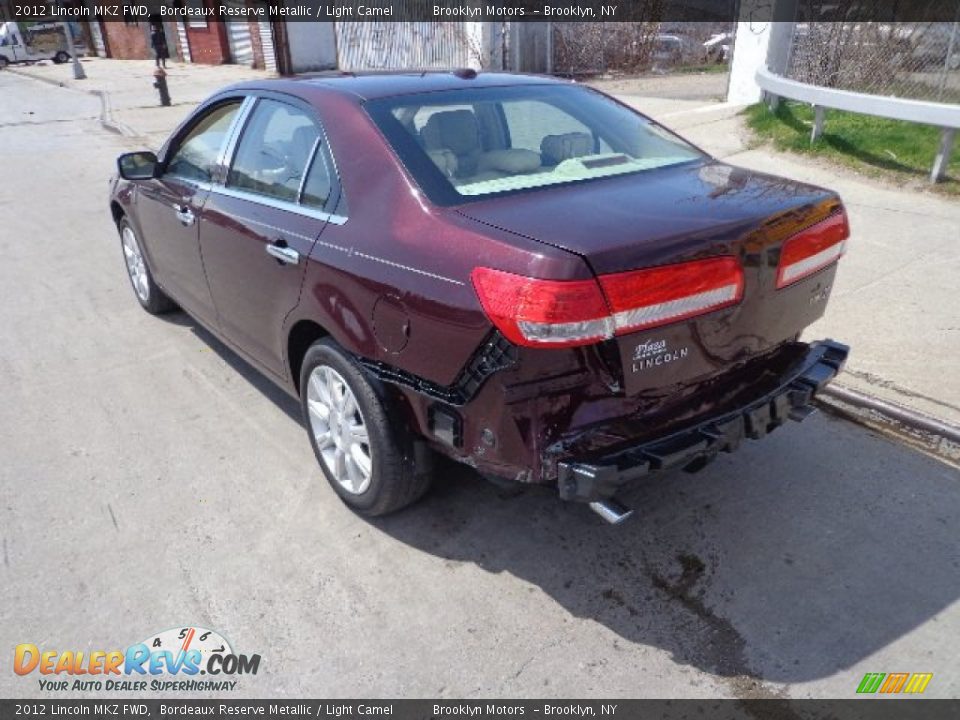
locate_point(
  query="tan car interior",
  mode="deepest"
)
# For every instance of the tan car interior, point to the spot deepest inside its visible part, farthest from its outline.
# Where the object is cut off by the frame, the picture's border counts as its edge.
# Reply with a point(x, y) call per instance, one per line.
point(452, 140)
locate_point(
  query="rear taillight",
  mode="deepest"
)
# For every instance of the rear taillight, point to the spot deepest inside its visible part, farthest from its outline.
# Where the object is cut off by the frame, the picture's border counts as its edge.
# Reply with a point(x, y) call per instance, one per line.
point(530, 311)
point(813, 249)
point(566, 313)
point(656, 296)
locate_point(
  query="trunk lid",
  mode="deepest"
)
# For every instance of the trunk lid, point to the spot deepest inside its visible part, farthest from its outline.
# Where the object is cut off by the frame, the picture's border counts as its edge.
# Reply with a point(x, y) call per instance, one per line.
point(675, 215)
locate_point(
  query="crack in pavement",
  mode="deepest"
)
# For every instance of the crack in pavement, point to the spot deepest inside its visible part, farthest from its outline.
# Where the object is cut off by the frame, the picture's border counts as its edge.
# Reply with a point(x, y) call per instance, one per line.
point(890, 385)
point(24, 123)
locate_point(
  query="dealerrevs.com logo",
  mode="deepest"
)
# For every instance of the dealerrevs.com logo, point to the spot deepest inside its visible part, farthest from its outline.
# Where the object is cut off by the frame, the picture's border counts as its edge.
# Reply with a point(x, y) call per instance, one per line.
point(170, 661)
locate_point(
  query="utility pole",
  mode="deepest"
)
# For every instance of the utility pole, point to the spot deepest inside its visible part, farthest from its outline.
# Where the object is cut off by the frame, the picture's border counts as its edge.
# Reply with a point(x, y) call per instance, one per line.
point(78, 72)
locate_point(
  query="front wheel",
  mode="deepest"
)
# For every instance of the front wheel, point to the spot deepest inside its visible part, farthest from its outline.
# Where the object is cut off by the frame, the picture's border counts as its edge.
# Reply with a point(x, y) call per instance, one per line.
point(3, 62)
point(149, 295)
point(61, 57)
point(368, 461)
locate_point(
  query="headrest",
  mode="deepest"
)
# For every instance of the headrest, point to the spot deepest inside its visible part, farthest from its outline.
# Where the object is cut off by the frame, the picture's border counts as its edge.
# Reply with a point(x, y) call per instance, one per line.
point(455, 130)
point(557, 148)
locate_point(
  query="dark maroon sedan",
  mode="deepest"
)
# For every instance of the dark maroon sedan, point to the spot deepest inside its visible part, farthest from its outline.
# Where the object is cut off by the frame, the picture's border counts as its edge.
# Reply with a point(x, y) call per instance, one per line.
point(519, 273)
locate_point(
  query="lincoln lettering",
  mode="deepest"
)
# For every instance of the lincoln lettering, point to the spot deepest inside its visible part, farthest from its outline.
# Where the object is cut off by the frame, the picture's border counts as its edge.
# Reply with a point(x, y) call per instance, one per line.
point(667, 357)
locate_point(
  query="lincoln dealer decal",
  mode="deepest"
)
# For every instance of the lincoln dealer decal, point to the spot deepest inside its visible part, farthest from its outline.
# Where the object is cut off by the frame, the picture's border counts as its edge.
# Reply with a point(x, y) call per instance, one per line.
point(169, 661)
point(653, 353)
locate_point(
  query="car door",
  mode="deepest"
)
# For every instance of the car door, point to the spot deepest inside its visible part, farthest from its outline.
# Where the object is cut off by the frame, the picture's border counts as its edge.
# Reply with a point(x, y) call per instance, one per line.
point(261, 223)
point(170, 208)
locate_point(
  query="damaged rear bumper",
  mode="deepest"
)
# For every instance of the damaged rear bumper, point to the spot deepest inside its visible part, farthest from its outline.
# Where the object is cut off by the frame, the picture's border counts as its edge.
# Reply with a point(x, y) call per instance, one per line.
point(596, 478)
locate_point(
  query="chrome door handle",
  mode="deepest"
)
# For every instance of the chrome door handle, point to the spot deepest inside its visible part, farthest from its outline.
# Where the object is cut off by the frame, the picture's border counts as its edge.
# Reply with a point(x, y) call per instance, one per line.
point(185, 215)
point(286, 255)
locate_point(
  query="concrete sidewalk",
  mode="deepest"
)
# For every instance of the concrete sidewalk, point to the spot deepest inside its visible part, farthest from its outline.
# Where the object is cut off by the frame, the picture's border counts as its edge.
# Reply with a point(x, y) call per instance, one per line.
point(895, 297)
point(131, 105)
point(894, 300)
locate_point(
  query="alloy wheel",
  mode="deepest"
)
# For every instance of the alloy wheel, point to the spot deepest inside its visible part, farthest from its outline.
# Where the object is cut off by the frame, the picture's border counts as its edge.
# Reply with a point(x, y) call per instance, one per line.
point(339, 429)
point(135, 265)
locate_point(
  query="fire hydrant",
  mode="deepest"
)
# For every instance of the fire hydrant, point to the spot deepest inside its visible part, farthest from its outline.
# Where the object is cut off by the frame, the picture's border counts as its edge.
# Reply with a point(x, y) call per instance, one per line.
point(160, 83)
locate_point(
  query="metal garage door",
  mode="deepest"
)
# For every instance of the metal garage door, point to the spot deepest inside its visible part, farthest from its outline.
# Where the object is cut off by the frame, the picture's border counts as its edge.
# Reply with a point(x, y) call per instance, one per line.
point(376, 45)
point(241, 46)
point(266, 41)
point(184, 42)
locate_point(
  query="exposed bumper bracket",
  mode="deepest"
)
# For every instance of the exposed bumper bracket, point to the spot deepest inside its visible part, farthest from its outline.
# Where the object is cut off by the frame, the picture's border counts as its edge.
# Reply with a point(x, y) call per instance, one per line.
point(694, 447)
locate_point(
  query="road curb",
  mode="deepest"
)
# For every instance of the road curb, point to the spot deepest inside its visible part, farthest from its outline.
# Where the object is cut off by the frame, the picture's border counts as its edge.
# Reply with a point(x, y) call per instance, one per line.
point(924, 432)
point(106, 116)
point(107, 120)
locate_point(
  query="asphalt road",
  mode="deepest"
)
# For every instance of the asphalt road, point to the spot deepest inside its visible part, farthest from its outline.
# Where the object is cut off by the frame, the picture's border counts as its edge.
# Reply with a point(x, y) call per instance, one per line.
point(149, 480)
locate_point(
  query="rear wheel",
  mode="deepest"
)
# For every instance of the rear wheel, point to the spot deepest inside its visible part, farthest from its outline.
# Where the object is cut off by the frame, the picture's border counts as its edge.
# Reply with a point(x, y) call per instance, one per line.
point(368, 461)
point(61, 57)
point(3, 62)
point(151, 298)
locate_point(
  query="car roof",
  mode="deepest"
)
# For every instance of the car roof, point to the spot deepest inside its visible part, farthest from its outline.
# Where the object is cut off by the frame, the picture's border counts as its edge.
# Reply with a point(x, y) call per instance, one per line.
point(369, 86)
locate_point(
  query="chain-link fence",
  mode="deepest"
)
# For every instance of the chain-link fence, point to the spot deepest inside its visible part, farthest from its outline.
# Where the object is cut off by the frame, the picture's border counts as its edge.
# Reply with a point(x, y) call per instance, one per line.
point(595, 48)
point(919, 60)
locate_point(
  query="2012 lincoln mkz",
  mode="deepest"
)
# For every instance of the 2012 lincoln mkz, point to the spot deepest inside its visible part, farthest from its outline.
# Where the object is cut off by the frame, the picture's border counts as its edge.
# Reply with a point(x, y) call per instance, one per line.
point(520, 273)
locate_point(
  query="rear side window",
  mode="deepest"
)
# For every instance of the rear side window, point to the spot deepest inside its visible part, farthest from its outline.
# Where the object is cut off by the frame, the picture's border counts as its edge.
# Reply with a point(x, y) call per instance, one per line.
point(197, 153)
point(274, 150)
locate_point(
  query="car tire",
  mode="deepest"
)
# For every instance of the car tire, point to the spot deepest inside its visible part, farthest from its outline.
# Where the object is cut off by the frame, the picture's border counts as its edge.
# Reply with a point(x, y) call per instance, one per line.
point(148, 293)
point(61, 57)
point(3, 62)
point(367, 459)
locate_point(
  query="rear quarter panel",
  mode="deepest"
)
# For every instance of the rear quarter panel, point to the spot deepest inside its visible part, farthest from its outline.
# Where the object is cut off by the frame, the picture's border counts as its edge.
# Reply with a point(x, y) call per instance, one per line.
point(403, 261)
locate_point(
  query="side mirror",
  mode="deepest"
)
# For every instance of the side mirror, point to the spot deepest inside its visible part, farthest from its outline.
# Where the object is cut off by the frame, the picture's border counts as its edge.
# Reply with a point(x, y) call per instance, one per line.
point(137, 165)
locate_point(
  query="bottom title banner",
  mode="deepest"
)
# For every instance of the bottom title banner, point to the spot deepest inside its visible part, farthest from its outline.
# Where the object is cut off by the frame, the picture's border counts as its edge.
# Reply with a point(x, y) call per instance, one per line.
point(866, 709)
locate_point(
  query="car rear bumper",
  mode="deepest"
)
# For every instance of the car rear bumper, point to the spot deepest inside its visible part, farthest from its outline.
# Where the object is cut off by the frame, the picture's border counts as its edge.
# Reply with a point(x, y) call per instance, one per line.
point(600, 477)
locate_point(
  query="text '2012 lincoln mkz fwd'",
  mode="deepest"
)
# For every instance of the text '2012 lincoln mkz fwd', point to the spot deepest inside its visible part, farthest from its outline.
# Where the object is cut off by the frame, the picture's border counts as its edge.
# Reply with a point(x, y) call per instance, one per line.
point(519, 273)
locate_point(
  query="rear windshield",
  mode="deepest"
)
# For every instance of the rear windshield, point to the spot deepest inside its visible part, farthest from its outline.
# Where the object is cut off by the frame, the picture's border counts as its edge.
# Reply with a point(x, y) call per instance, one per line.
point(468, 144)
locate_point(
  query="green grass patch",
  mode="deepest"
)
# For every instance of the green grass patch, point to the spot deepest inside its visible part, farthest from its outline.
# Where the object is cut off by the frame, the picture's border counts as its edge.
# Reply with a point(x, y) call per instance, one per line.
point(705, 68)
point(897, 148)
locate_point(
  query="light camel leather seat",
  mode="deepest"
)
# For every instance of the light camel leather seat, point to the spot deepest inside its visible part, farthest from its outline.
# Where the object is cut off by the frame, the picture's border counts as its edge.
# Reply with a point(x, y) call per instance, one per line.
point(452, 140)
point(458, 132)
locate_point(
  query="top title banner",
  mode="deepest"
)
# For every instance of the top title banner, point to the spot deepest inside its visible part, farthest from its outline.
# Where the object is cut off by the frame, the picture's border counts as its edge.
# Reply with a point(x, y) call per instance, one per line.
point(476, 10)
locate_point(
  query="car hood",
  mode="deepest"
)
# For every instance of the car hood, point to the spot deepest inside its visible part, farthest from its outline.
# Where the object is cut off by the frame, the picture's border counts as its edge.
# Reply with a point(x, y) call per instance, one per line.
point(650, 218)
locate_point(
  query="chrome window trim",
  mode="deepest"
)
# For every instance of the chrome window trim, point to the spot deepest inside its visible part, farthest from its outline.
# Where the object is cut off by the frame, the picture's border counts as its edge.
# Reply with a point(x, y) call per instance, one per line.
point(225, 160)
point(285, 205)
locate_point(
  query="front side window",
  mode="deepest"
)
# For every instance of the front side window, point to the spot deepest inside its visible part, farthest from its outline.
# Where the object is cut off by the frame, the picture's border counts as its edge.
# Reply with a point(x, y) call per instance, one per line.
point(275, 147)
point(466, 144)
point(198, 152)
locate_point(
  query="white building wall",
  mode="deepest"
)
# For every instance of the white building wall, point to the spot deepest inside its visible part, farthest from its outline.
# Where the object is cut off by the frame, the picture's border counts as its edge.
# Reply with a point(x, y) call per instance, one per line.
point(751, 43)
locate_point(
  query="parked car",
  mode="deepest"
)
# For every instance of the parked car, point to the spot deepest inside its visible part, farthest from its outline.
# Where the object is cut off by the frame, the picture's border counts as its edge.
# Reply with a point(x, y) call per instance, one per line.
point(717, 48)
point(674, 50)
point(516, 272)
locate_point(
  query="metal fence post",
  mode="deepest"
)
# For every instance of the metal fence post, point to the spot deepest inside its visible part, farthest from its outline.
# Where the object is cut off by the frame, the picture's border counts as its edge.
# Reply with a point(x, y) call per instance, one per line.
point(939, 171)
point(819, 115)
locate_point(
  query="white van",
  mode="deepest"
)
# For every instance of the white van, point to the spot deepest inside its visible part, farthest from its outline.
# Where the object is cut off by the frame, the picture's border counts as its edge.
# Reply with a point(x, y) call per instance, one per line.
point(39, 42)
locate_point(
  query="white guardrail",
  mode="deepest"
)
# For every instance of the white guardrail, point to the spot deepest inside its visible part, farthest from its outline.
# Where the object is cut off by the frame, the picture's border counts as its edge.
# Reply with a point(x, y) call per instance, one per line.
point(942, 115)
